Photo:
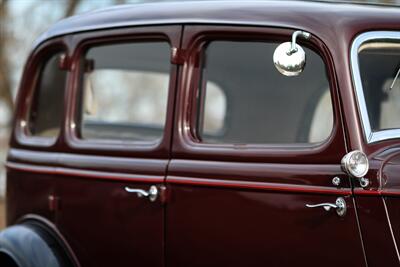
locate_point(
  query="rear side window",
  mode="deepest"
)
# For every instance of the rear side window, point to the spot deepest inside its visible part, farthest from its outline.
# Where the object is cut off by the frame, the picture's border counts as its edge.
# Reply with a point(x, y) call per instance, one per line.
point(125, 91)
point(259, 104)
point(48, 101)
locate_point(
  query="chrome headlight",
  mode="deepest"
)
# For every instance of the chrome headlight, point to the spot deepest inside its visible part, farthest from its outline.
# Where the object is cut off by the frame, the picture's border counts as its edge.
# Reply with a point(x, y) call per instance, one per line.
point(355, 163)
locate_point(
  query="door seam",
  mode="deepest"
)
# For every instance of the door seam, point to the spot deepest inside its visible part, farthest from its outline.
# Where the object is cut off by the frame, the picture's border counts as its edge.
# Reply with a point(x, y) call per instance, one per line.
point(170, 154)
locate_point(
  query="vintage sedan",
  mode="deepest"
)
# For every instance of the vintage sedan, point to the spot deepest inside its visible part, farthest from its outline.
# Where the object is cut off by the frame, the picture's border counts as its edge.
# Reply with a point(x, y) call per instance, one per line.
point(209, 134)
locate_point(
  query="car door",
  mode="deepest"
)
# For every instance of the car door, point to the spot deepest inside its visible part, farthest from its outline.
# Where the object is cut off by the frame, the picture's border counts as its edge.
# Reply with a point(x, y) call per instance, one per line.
point(109, 186)
point(255, 153)
point(374, 64)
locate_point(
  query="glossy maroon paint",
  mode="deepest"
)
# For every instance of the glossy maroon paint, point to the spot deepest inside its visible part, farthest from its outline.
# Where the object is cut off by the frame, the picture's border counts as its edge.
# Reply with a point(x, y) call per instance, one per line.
point(90, 184)
point(226, 205)
point(258, 205)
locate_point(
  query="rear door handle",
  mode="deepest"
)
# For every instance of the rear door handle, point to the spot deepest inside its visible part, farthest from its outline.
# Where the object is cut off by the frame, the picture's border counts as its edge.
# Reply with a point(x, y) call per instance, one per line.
point(151, 194)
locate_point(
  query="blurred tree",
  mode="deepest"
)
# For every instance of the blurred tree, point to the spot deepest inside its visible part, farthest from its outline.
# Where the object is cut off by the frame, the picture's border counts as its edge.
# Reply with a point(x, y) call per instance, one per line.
point(6, 90)
point(21, 22)
point(71, 7)
point(5, 81)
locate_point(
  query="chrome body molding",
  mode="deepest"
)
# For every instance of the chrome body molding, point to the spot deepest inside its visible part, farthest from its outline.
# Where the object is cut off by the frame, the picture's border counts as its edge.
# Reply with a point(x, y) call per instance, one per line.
point(370, 136)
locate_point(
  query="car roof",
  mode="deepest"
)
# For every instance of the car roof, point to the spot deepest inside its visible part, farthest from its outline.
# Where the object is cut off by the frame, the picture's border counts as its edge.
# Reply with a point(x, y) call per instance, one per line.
point(316, 17)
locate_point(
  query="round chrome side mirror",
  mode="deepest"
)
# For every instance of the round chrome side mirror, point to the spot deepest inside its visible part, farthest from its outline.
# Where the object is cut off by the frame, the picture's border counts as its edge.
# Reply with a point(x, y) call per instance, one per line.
point(290, 58)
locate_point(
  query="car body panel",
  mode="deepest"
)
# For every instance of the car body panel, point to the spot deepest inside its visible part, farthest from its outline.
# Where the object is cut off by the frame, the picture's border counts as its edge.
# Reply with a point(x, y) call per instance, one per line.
point(239, 205)
point(77, 184)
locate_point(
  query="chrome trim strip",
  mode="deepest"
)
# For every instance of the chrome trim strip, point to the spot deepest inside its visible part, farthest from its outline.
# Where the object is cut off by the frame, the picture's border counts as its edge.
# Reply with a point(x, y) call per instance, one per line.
point(370, 136)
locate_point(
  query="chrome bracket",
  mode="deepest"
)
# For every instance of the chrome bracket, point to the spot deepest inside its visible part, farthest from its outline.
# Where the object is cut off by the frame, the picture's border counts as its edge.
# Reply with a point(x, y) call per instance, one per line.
point(293, 47)
point(336, 181)
point(364, 182)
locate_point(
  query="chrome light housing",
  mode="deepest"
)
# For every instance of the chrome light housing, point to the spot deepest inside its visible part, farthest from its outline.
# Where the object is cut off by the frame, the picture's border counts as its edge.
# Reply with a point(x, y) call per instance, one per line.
point(355, 163)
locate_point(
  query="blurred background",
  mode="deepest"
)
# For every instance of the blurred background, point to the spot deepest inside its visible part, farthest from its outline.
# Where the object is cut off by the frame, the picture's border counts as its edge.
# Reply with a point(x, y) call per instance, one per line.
point(21, 22)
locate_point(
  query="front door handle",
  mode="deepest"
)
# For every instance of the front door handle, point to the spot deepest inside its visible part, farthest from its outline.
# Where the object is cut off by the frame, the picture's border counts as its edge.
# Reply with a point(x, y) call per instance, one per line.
point(151, 194)
point(340, 206)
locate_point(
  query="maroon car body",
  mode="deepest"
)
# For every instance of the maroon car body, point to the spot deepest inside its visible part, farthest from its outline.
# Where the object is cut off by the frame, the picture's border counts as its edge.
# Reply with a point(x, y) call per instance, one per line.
point(218, 204)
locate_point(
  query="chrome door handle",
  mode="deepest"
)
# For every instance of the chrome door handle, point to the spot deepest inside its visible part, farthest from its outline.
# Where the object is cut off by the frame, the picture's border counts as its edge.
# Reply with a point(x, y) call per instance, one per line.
point(326, 206)
point(340, 206)
point(152, 194)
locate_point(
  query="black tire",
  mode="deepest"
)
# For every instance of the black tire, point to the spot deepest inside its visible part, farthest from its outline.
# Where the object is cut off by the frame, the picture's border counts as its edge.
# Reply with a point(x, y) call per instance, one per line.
point(24, 246)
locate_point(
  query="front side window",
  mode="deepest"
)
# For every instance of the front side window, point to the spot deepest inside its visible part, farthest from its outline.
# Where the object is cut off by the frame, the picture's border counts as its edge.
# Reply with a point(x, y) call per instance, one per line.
point(125, 91)
point(47, 107)
point(255, 103)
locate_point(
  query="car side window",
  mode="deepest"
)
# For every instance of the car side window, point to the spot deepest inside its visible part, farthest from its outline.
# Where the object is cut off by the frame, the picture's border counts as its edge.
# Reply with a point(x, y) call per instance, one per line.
point(262, 106)
point(379, 65)
point(125, 91)
point(215, 113)
point(47, 108)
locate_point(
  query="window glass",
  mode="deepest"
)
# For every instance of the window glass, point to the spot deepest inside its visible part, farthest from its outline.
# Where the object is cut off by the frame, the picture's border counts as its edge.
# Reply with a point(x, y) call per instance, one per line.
point(214, 114)
point(125, 91)
point(379, 63)
point(322, 118)
point(48, 101)
point(259, 104)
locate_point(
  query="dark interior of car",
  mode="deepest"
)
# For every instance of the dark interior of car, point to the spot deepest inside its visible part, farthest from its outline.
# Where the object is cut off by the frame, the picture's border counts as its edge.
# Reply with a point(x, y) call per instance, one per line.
point(379, 64)
point(264, 106)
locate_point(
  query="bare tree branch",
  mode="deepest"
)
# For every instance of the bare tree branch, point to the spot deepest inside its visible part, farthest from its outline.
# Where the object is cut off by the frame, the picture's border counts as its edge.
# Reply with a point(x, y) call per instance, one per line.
point(5, 82)
point(120, 2)
point(71, 7)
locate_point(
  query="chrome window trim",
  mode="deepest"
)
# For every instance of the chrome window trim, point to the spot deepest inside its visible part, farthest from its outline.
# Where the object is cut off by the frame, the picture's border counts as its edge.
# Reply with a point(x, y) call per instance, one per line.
point(370, 136)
